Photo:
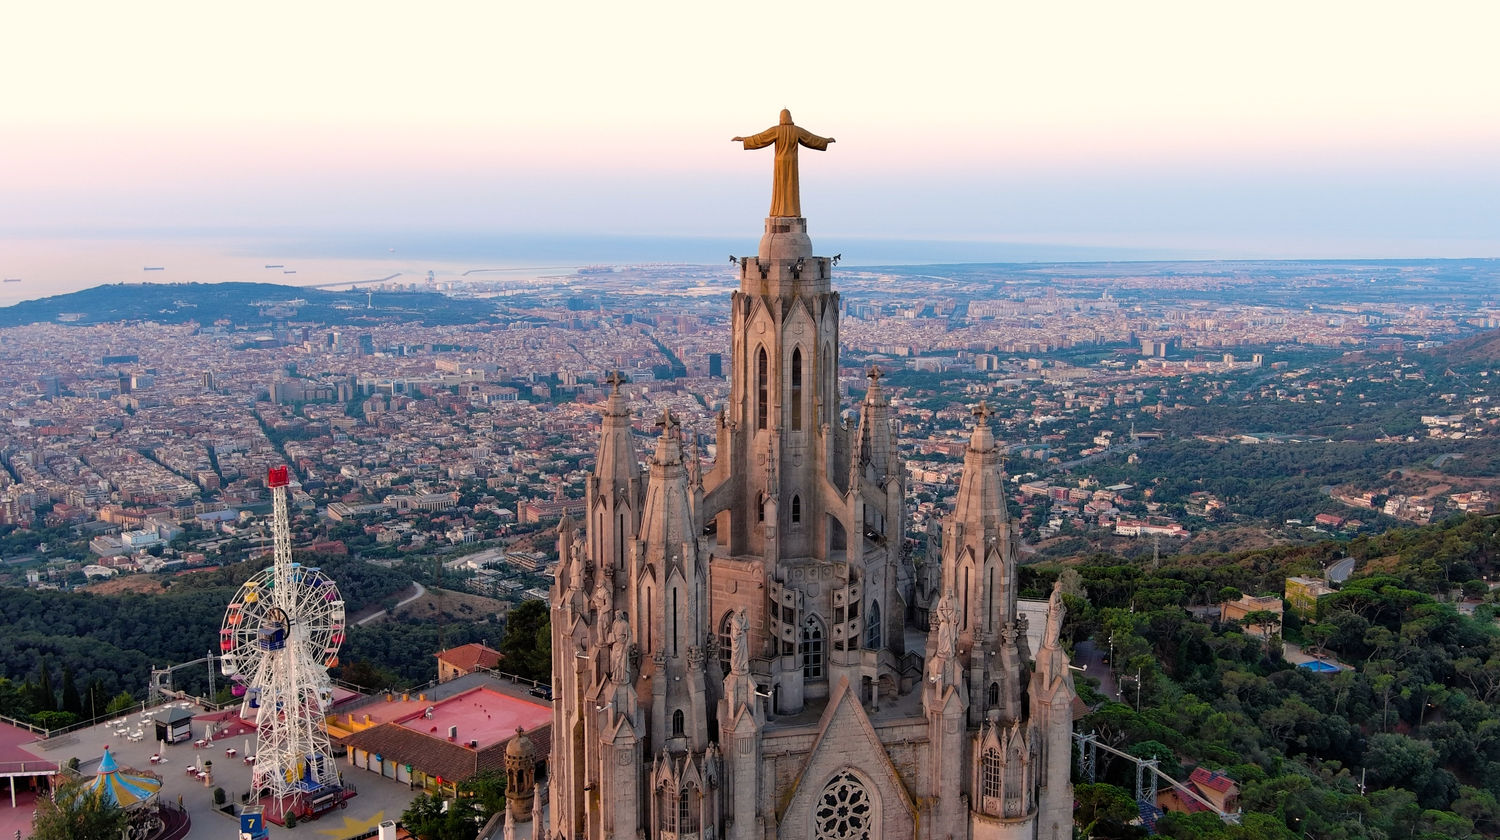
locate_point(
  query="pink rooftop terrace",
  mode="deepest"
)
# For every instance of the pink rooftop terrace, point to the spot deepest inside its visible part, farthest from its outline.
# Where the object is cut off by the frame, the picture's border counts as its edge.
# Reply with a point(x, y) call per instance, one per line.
point(481, 714)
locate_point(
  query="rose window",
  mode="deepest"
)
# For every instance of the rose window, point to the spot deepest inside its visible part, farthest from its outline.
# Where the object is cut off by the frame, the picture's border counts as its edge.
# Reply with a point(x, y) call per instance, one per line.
point(843, 811)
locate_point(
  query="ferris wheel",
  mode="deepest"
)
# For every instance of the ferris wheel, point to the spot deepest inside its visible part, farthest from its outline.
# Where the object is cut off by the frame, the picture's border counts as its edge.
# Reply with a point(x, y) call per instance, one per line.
point(281, 634)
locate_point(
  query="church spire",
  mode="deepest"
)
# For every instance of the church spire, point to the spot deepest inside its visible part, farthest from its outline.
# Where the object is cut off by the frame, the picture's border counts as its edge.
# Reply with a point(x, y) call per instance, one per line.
point(671, 587)
point(613, 490)
point(876, 450)
point(979, 567)
point(616, 464)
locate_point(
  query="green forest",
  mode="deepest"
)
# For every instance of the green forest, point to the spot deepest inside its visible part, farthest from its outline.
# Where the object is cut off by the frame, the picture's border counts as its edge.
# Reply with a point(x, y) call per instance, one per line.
point(66, 655)
point(1405, 743)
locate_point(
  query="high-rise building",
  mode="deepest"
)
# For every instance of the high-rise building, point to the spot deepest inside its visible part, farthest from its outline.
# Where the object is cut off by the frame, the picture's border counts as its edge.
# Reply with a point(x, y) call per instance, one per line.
point(716, 365)
point(737, 650)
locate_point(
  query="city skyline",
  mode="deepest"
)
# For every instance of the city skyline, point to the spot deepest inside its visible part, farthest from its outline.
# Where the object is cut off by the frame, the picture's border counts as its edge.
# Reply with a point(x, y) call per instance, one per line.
point(1169, 130)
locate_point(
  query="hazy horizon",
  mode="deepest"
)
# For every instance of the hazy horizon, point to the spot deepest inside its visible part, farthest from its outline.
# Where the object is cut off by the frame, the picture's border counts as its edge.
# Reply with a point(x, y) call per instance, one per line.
point(977, 132)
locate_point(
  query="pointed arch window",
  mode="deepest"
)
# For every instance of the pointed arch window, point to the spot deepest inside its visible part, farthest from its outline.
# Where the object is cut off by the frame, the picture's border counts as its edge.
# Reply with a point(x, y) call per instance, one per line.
point(762, 391)
point(687, 815)
point(726, 640)
point(678, 723)
point(796, 509)
point(797, 388)
point(989, 601)
point(994, 695)
point(992, 770)
point(963, 607)
point(669, 813)
point(812, 650)
point(873, 635)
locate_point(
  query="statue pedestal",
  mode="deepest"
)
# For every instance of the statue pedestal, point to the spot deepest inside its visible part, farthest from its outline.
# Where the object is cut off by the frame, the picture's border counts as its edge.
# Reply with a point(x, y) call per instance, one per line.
point(785, 238)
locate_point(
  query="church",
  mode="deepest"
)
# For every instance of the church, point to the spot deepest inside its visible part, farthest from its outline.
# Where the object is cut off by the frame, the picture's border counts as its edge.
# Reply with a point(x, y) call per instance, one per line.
point(744, 651)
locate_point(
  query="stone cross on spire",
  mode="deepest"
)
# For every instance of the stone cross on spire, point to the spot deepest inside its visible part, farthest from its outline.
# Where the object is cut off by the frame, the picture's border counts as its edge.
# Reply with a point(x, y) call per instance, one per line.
point(874, 374)
point(616, 380)
point(667, 421)
point(982, 413)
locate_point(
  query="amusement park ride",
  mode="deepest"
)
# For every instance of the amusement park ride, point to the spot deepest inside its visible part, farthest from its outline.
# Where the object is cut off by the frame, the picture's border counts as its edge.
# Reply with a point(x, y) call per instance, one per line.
point(280, 636)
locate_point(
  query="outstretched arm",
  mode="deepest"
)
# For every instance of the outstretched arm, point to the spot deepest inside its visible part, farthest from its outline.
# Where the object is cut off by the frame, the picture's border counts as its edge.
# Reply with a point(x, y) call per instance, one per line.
point(813, 141)
point(758, 141)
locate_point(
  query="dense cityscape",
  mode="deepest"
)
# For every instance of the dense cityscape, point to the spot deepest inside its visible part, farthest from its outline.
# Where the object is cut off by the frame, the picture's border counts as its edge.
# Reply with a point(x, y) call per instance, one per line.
point(143, 446)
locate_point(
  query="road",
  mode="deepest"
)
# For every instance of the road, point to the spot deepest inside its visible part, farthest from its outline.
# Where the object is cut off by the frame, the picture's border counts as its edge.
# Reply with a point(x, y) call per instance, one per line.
point(1091, 659)
point(1078, 462)
point(1340, 571)
point(421, 590)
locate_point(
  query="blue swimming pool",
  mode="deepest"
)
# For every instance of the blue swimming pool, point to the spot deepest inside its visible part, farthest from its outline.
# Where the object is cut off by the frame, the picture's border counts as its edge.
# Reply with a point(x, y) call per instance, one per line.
point(1320, 667)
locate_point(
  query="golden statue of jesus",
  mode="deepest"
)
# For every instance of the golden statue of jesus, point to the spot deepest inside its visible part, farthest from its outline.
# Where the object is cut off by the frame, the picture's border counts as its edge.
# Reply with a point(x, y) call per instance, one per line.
point(785, 197)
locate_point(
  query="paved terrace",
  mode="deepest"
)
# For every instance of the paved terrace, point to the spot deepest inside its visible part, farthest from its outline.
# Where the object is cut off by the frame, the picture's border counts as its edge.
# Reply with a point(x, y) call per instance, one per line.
point(377, 798)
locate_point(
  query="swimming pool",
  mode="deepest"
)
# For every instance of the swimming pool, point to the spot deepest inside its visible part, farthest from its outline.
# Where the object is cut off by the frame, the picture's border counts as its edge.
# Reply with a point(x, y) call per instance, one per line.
point(1320, 667)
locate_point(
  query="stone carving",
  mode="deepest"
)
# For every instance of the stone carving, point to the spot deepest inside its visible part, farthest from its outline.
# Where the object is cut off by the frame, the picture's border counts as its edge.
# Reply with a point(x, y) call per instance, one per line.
point(1055, 613)
point(604, 594)
point(947, 626)
point(739, 644)
point(619, 663)
point(844, 810)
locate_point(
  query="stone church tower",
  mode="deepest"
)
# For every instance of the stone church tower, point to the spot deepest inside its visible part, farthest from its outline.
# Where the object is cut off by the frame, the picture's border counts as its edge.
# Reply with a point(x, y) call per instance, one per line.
point(732, 651)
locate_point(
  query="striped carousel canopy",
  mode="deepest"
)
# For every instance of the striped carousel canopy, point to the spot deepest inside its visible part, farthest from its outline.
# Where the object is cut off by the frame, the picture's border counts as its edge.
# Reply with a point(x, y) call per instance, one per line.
point(126, 790)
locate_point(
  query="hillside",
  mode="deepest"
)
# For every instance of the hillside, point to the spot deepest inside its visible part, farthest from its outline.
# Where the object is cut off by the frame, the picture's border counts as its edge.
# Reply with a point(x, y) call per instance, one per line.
point(115, 639)
point(1481, 349)
point(242, 304)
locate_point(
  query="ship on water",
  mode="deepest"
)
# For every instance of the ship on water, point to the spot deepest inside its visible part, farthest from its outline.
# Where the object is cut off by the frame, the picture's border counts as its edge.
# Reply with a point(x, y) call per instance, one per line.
point(275, 266)
point(12, 279)
point(155, 268)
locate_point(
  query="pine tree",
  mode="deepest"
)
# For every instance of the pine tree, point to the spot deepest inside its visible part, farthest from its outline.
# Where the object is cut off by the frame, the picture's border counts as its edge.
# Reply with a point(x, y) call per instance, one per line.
point(46, 698)
point(71, 702)
point(94, 699)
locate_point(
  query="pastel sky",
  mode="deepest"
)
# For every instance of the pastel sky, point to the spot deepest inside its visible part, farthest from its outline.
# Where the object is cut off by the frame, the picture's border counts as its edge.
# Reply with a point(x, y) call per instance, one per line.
point(1359, 129)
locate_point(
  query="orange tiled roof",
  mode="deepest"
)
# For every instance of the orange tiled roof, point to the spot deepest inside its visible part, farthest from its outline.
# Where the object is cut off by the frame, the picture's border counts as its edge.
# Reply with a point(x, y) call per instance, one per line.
point(470, 656)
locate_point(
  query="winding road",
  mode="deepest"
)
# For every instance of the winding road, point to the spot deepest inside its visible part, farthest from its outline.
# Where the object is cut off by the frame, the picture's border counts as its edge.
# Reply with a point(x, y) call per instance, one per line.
point(421, 590)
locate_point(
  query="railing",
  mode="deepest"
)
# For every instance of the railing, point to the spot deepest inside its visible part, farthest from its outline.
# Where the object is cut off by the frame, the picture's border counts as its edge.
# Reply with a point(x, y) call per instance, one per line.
point(374, 832)
point(19, 768)
point(375, 694)
point(24, 725)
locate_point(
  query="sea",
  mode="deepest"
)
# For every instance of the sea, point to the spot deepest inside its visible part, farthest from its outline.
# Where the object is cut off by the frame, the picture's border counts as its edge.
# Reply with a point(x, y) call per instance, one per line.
point(44, 265)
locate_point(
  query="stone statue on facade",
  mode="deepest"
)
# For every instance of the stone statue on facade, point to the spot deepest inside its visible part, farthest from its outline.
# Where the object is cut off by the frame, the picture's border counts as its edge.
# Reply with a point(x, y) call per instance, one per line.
point(619, 637)
point(786, 136)
point(947, 626)
point(1055, 613)
point(739, 644)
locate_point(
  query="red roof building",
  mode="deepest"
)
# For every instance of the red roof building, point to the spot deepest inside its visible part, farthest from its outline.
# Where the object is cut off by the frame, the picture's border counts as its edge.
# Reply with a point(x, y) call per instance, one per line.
point(466, 659)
